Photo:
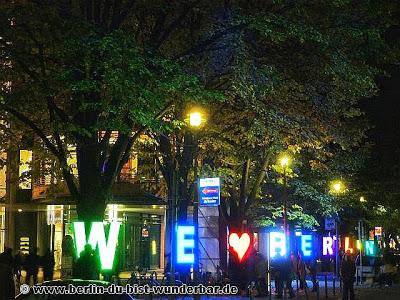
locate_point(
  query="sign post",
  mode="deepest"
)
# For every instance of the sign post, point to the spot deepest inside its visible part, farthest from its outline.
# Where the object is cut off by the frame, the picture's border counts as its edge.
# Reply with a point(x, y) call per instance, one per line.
point(330, 223)
point(209, 191)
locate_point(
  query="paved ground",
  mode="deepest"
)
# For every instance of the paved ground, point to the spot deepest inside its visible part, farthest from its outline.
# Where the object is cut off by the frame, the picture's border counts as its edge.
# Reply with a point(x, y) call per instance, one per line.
point(362, 292)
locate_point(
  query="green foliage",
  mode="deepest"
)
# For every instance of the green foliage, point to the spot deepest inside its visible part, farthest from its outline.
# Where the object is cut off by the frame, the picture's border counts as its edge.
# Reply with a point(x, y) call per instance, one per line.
point(274, 76)
point(269, 213)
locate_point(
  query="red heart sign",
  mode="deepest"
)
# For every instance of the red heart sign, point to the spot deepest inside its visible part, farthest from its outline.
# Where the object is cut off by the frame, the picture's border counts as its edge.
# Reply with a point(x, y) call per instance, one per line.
point(240, 245)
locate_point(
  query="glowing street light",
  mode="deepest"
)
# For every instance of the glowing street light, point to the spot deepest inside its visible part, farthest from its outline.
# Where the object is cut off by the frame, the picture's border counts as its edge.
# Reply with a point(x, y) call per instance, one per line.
point(196, 118)
point(337, 187)
point(284, 161)
point(362, 199)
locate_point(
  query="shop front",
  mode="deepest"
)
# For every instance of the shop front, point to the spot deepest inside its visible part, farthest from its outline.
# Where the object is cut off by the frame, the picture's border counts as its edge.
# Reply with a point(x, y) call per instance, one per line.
point(141, 238)
point(2, 227)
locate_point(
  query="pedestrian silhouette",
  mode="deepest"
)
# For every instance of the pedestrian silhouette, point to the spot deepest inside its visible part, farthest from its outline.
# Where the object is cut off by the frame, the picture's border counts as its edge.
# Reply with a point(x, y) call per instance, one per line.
point(88, 264)
point(7, 286)
point(348, 271)
point(68, 257)
point(48, 265)
point(32, 266)
point(18, 266)
point(261, 271)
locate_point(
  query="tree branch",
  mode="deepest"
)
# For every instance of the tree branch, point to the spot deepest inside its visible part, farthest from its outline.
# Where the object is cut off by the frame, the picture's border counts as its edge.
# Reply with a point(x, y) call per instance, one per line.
point(137, 134)
point(224, 210)
point(119, 15)
point(260, 177)
point(114, 159)
point(104, 145)
point(175, 23)
point(163, 169)
point(211, 40)
point(68, 176)
point(21, 117)
point(106, 13)
point(243, 184)
point(60, 155)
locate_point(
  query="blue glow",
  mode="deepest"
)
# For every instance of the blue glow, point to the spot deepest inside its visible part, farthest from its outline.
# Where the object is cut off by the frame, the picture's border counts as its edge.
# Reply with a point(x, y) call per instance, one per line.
point(277, 244)
point(185, 244)
point(370, 249)
point(306, 244)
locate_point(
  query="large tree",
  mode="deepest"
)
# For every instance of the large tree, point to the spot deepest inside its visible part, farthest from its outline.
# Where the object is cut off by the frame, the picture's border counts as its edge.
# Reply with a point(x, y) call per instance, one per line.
point(72, 74)
point(80, 69)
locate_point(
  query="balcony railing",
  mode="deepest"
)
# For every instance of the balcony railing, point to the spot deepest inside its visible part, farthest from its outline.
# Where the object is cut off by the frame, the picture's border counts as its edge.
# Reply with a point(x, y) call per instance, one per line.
point(125, 186)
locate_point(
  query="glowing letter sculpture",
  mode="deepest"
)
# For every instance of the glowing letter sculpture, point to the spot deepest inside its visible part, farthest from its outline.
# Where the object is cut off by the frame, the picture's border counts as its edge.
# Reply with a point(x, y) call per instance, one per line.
point(347, 245)
point(277, 244)
point(184, 243)
point(370, 249)
point(327, 245)
point(97, 237)
point(239, 245)
point(306, 244)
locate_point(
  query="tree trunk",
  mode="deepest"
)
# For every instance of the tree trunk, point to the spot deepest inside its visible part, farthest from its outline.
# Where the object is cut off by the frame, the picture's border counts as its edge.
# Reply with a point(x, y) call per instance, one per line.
point(223, 245)
point(183, 201)
point(93, 193)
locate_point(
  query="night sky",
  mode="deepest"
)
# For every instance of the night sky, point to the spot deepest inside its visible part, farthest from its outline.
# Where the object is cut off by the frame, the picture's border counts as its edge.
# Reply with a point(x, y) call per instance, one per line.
point(383, 112)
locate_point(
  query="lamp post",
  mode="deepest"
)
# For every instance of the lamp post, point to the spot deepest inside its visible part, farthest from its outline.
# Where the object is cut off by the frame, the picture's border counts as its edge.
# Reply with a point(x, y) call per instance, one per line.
point(336, 188)
point(196, 120)
point(284, 161)
point(173, 218)
point(361, 238)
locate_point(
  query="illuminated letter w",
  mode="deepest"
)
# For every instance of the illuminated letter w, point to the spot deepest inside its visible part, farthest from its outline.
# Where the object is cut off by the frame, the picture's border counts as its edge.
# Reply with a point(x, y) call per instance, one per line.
point(97, 237)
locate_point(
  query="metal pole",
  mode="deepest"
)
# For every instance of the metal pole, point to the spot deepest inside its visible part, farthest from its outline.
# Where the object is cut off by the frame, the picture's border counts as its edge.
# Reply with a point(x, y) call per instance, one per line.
point(326, 286)
point(172, 229)
point(337, 248)
point(285, 203)
point(196, 218)
point(360, 238)
point(269, 268)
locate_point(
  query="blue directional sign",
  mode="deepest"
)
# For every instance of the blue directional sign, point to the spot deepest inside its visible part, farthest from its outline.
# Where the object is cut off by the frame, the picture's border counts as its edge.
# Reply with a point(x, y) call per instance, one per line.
point(209, 191)
point(330, 223)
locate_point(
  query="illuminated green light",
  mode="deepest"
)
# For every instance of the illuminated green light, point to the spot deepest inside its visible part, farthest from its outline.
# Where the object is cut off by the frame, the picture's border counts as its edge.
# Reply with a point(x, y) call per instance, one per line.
point(370, 249)
point(153, 247)
point(97, 238)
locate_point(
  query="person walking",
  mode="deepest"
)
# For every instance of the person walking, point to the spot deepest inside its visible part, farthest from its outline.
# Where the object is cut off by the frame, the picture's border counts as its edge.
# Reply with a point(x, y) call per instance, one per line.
point(87, 265)
point(18, 266)
point(348, 271)
point(48, 265)
point(311, 268)
point(261, 269)
point(284, 276)
point(32, 266)
point(7, 285)
point(301, 270)
point(68, 257)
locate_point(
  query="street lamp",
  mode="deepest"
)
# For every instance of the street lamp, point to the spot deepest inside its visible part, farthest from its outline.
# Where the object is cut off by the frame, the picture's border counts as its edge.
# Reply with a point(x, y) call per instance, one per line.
point(336, 188)
point(196, 120)
point(284, 161)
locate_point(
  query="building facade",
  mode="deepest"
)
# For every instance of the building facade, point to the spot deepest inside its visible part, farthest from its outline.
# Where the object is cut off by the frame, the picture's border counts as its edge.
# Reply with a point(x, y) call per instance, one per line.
point(37, 211)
